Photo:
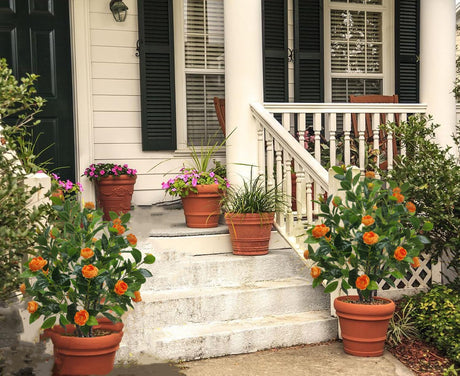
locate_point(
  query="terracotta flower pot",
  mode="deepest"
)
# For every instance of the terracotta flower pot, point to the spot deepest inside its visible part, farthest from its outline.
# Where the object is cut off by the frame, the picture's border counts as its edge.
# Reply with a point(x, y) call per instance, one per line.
point(202, 209)
point(250, 233)
point(85, 356)
point(364, 326)
point(114, 193)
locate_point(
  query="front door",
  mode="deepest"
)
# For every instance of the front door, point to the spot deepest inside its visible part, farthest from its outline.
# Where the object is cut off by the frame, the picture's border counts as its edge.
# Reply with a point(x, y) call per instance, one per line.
point(35, 38)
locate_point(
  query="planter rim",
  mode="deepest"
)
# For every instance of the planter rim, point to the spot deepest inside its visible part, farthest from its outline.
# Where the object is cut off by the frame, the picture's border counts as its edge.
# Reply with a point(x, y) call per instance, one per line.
point(369, 309)
point(113, 177)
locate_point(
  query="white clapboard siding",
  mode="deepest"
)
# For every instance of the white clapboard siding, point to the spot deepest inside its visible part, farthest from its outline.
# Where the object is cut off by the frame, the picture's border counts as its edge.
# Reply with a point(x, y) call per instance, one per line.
point(116, 103)
point(118, 38)
point(117, 135)
point(116, 87)
point(107, 22)
point(115, 70)
point(114, 54)
point(128, 151)
point(117, 119)
point(102, 6)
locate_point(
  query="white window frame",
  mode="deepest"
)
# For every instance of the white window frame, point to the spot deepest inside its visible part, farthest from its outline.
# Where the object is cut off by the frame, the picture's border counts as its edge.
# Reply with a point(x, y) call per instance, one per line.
point(388, 59)
point(180, 75)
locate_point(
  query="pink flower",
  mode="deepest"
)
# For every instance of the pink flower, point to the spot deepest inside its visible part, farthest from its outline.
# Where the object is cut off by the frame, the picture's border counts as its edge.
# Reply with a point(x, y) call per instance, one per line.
point(80, 187)
point(125, 166)
point(194, 182)
point(164, 185)
point(102, 172)
point(211, 174)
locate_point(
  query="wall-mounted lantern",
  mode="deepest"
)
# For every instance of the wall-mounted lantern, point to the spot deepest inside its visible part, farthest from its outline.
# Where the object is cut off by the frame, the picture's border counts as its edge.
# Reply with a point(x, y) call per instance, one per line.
point(119, 10)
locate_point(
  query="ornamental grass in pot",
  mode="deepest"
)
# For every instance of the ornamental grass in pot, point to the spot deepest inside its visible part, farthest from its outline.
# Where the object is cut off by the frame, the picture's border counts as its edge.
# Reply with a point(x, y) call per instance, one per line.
point(200, 187)
point(249, 214)
point(85, 274)
point(373, 234)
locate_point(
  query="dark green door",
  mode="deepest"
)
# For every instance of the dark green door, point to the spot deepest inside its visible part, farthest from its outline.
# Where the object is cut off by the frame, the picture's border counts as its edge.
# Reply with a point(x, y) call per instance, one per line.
point(35, 38)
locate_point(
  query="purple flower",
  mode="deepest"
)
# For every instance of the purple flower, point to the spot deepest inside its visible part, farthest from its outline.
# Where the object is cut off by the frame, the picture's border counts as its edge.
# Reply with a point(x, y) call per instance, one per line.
point(80, 187)
point(194, 182)
point(211, 174)
point(55, 177)
point(165, 185)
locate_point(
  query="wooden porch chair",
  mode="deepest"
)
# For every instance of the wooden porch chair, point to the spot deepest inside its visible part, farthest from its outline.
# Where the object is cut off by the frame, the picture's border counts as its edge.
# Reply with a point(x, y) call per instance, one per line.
point(219, 104)
point(368, 133)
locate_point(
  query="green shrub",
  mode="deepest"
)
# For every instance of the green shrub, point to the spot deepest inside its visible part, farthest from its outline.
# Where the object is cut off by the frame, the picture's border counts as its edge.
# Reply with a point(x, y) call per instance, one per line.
point(436, 314)
point(434, 175)
point(402, 325)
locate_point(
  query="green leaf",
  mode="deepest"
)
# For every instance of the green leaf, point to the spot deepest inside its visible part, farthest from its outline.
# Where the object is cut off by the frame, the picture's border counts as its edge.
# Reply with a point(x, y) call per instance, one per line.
point(33, 317)
point(49, 323)
point(316, 282)
point(145, 272)
point(372, 286)
point(118, 310)
point(331, 287)
point(63, 320)
point(149, 259)
point(338, 170)
point(397, 274)
point(137, 255)
point(427, 226)
point(423, 239)
point(91, 321)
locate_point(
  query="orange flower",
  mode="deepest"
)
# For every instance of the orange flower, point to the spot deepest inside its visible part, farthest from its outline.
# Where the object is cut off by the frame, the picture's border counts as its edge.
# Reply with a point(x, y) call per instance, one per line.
point(320, 230)
point(58, 193)
point(399, 197)
point(32, 306)
point(120, 229)
point(370, 174)
point(90, 205)
point(37, 263)
point(370, 238)
point(116, 221)
point(315, 272)
point(410, 207)
point(81, 317)
point(137, 297)
point(306, 254)
point(362, 282)
point(86, 253)
point(89, 271)
point(367, 220)
point(94, 240)
point(400, 253)
point(132, 239)
point(396, 190)
point(22, 288)
point(120, 287)
point(415, 262)
point(45, 272)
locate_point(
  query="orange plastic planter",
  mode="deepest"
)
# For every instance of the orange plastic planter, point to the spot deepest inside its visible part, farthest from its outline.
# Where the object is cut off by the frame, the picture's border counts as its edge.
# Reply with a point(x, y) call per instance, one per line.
point(202, 209)
point(114, 193)
point(364, 326)
point(250, 232)
point(85, 356)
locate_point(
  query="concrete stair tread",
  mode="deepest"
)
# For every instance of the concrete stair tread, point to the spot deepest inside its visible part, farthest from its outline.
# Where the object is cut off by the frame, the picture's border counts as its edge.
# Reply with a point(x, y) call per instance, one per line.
point(191, 292)
point(192, 330)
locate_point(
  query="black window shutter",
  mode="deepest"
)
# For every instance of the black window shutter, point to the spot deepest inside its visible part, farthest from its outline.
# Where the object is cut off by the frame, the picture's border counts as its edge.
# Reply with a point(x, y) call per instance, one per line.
point(157, 74)
point(308, 41)
point(275, 51)
point(407, 13)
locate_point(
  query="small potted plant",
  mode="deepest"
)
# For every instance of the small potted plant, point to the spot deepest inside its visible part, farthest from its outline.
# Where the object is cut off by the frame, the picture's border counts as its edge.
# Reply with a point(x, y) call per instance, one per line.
point(114, 186)
point(372, 234)
point(249, 214)
point(85, 274)
point(200, 187)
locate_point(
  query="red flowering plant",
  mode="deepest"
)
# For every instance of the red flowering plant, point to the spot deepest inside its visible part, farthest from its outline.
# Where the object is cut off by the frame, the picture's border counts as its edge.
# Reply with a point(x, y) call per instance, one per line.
point(372, 234)
point(83, 267)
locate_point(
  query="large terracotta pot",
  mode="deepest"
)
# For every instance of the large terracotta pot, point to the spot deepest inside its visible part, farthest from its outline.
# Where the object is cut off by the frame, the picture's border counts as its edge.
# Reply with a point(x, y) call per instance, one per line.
point(202, 209)
point(114, 193)
point(85, 356)
point(364, 326)
point(250, 232)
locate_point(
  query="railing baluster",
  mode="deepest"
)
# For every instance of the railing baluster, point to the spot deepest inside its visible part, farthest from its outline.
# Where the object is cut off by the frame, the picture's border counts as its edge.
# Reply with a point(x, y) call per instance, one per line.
point(309, 205)
point(286, 119)
point(346, 137)
point(317, 130)
point(376, 133)
point(270, 162)
point(301, 126)
point(390, 144)
point(332, 131)
point(261, 150)
point(280, 181)
point(288, 191)
point(362, 141)
point(403, 118)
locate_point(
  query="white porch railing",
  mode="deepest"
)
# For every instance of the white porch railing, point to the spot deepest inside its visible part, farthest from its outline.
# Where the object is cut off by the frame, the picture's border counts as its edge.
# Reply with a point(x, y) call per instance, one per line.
point(297, 164)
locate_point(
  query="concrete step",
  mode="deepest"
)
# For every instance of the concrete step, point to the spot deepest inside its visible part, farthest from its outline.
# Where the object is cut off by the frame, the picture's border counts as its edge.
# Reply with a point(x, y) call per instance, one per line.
point(172, 271)
point(196, 341)
point(223, 303)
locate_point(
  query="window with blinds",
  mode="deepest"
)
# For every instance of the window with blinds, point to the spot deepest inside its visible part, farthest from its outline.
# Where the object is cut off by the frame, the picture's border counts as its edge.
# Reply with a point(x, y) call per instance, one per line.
point(204, 67)
point(356, 48)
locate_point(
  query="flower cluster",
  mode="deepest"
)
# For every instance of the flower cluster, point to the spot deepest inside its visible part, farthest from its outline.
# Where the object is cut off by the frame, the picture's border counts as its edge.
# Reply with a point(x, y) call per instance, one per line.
point(83, 267)
point(60, 186)
point(368, 236)
point(101, 170)
point(189, 179)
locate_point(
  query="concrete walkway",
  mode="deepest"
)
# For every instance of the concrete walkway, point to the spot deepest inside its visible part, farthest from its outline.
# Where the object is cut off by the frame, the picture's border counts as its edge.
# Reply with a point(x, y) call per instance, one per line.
point(309, 360)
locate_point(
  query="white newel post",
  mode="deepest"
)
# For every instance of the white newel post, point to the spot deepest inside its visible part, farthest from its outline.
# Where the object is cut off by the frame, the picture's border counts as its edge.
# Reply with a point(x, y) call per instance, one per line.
point(243, 83)
point(437, 65)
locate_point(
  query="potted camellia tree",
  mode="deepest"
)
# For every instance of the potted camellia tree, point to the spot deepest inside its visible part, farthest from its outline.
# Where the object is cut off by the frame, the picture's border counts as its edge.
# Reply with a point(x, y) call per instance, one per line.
point(372, 234)
point(85, 274)
point(114, 186)
point(249, 214)
point(200, 187)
